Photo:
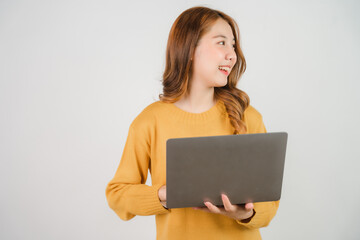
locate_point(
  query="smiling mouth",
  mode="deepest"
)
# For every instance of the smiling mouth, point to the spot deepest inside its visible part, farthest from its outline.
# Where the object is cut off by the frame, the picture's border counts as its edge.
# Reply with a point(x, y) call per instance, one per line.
point(225, 70)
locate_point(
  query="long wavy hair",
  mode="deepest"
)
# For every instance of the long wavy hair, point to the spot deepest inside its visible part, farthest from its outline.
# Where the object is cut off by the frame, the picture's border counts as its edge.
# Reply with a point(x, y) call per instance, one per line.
point(184, 36)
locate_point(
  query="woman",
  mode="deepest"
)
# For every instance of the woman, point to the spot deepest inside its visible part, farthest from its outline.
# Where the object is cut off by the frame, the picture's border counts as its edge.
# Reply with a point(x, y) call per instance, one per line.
point(204, 62)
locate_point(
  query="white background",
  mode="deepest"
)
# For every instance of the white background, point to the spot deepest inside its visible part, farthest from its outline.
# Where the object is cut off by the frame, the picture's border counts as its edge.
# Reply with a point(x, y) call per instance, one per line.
point(74, 74)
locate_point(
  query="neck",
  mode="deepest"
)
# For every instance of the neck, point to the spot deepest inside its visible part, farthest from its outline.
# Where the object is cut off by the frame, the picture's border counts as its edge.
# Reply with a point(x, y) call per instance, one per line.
point(199, 99)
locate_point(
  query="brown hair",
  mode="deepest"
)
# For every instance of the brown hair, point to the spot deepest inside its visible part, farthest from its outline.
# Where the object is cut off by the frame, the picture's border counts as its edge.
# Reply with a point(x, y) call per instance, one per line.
point(184, 35)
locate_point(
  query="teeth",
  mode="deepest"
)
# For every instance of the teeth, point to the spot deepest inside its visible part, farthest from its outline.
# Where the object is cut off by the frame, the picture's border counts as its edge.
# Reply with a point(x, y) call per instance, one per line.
point(227, 69)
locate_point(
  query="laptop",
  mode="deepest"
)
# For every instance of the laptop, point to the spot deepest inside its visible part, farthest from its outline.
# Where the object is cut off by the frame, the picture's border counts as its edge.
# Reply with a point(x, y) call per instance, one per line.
point(246, 167)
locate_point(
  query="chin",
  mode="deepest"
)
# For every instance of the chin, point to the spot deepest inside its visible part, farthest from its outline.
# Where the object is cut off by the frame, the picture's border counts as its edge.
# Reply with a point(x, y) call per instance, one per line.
point(220, 83)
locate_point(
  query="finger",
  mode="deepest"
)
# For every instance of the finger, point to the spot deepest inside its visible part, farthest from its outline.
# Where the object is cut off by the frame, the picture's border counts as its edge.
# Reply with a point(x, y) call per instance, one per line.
point(212, 208)
point(249, 206)
point(227, 204)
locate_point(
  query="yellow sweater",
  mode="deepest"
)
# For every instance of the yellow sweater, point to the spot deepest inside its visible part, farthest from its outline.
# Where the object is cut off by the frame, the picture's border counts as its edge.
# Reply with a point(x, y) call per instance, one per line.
point(145, 148)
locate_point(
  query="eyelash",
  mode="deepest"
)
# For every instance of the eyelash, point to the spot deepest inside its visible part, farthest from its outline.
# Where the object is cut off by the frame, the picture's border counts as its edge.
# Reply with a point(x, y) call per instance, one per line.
point(224, 43)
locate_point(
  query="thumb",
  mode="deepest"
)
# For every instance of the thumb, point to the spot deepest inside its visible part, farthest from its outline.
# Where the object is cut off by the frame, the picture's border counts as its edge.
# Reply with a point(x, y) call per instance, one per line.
point(249, 206)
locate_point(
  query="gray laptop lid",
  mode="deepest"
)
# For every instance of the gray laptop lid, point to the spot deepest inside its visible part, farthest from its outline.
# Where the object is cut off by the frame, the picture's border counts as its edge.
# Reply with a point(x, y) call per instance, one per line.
point(246, 167)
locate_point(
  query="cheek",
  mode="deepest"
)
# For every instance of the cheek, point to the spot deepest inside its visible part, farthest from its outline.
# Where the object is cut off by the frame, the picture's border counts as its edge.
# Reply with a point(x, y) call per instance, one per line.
point(216, 54)
point(207, 60)
point(208, 54)
point(204, 61)
point(211, 59)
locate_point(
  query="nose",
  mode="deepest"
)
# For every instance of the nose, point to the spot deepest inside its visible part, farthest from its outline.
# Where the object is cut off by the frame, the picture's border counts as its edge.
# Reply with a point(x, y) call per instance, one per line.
point(231, 55)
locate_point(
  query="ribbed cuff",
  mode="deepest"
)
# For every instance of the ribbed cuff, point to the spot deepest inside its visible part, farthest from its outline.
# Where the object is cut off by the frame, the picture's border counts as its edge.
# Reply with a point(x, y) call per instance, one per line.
point(249, 222)
point(151, 203)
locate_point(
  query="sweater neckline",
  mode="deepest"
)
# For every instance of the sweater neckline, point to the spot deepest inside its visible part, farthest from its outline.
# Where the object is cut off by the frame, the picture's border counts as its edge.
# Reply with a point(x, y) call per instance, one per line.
point(194, 117)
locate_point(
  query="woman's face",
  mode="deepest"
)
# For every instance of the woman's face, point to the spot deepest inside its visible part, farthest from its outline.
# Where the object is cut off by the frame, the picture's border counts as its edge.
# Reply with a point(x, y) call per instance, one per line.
point(214, 56)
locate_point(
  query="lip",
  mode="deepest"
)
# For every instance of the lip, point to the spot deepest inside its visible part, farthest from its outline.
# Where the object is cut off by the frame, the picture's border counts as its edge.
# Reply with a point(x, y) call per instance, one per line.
point(226, 73)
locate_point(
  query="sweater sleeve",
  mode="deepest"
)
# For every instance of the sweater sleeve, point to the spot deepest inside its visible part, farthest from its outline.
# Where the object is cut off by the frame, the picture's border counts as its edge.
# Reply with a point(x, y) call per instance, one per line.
point(264, 211)
point(127, 193)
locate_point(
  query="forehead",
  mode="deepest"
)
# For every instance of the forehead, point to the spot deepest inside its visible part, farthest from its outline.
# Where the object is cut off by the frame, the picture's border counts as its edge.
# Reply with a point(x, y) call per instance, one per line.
point(220, 28)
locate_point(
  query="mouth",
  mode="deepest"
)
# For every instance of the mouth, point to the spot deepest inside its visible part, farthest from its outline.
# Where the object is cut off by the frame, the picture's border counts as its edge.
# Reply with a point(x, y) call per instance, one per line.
point(225, 69)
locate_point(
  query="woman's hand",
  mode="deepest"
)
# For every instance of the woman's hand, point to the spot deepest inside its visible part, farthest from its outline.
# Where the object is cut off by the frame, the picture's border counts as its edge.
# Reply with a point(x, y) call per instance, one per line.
point(237, 212)
point(162, 195)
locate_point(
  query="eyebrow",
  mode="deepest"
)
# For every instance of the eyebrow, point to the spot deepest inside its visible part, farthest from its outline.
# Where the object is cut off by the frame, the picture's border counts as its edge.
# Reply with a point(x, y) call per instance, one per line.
point(222, 36)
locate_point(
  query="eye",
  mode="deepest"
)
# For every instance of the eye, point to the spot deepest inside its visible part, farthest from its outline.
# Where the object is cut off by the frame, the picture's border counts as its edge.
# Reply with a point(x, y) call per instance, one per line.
point(223, 43)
